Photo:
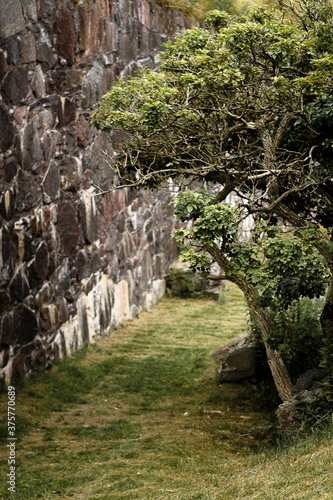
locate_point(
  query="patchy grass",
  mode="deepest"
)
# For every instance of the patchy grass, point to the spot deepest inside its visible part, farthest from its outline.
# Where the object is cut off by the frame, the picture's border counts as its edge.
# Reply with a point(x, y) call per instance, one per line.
point(139, 416)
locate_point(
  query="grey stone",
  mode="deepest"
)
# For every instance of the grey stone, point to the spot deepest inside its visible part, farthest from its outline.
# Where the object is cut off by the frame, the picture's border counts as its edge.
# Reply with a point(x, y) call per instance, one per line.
point(3, 64)
point(238, 357)
point(288, 412)
point(221, 352)
point(51, 183)
point(89, 216)
point(25, 324)
point(45, 49)
point(7, 254)
point(7, 204)
point(38, 267)
point(31, 149)
point(43, 296)
point(65, 111)
point(30, 9)
point(28, 48)
point(62, 278)
point(15, 85)
point(11, 166)
point(27, 195)
point(11, 18)
point(7, 329)
point(13, 51)
point(7, 129)
point(92, 86)
point(67, 227)
point(307, 379)
point(19, 286)
point(38, 82)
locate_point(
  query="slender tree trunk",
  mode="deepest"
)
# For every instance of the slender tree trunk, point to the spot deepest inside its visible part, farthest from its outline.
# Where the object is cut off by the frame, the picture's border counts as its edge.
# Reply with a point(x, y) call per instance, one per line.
point(277, 366)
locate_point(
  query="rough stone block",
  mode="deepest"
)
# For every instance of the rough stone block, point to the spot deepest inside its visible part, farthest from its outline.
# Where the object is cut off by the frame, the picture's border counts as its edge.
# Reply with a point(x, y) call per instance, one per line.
point(91, 30)
point(70, 175)
point(7, 129)
point(65, 111)
point(45, 49)
point(11, 166)
point(13, 51)
point(7, 254)
point(31, 150)
point(51, 183)
point(19, 286)
point(25, 324)
point(38, 267)
point(15, 85)
point(7, 204)
point(28, 48)
point(66, 38)
point(11, 18)
point(67, 227)
point(38, 82)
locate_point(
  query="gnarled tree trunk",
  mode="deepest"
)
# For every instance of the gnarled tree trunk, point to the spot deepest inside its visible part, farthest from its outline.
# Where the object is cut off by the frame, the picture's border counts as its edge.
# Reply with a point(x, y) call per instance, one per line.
point(278, 368)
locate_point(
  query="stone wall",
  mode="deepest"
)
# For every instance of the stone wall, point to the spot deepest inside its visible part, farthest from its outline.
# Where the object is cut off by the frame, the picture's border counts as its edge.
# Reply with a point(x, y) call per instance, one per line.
point(73, 264)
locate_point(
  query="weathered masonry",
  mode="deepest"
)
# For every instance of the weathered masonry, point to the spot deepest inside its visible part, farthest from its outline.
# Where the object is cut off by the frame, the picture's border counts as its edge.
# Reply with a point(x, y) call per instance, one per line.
point(72, 264)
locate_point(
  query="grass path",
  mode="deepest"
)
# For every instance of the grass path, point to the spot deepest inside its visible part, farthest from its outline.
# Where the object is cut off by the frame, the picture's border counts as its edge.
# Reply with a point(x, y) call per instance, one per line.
point(138, 416)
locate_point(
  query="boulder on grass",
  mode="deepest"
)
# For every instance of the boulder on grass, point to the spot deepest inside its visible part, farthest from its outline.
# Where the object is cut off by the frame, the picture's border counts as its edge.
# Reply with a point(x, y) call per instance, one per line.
point(237, 358)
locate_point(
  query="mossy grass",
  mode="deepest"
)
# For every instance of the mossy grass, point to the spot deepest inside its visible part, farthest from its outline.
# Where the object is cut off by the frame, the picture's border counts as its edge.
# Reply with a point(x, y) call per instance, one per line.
point(139, 415)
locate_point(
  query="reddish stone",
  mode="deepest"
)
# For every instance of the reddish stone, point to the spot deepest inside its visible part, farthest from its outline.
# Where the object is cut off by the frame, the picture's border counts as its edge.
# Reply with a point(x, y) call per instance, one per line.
point(28, 48)
point(104, 7)
point(65, 111)
point(68, 227)
point(91, 30)
point(66, 38)
point(83, 132)
point(20, 114)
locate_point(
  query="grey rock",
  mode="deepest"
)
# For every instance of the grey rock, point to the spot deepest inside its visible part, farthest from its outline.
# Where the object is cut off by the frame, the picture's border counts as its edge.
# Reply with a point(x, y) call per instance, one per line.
point(45, 49)
point(27, 195)
point(11, 167)
point(7, 329)
point(15, 85)
point(13, 51)
point(62, 278)
point(7, 204)
point(31, 150)
point(38, 82)
point(30, 10)
point(7, 254)
point(51, 183)
point(25, 324)
point(11, 18)
point(92, 85)
point(38, 267)
point(28, 48)
point(7, 129)
point(19, 286)
point(238, 357)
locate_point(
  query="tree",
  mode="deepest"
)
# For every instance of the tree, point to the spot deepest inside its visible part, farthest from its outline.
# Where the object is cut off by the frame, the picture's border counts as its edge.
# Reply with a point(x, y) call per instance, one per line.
point(246, 107)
